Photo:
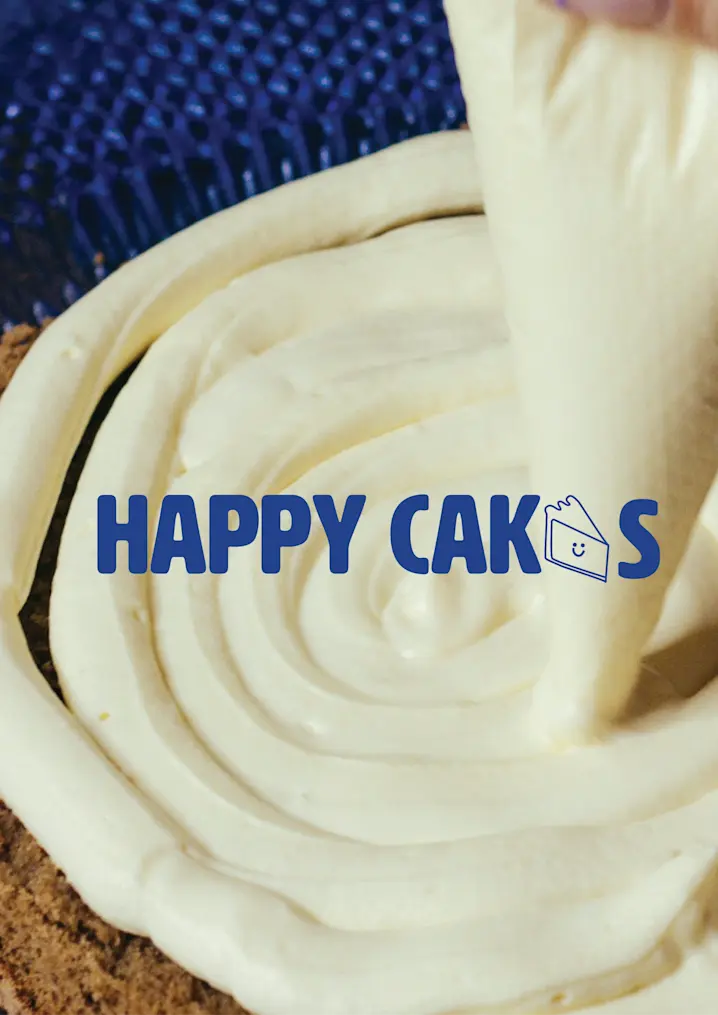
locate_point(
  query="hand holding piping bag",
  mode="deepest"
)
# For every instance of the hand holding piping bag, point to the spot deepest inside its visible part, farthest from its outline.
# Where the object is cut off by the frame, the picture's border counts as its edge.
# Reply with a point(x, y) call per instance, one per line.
point(697, 19)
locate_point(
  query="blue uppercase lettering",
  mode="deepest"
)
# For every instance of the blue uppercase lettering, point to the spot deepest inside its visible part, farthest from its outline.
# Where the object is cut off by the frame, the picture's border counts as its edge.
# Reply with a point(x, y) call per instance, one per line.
point(274, 537)
point(284, 521)
point(641, 539)
point(189, 546)
point(339, 531)
point(470, 546)
point(221, 536)
point(110, 532)
point(401, 534)
point(506, 531)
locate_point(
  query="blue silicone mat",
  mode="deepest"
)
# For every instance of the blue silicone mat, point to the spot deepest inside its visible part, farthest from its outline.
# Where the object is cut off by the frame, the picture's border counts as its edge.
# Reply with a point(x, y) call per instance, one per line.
point(122, 121)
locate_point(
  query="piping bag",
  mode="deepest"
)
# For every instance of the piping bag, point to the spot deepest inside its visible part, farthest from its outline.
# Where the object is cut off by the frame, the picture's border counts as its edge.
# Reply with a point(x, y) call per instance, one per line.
point(598, 151)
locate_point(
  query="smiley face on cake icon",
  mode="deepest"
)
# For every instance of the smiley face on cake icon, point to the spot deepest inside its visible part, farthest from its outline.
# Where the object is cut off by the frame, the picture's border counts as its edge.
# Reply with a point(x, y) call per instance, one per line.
point(573, 540)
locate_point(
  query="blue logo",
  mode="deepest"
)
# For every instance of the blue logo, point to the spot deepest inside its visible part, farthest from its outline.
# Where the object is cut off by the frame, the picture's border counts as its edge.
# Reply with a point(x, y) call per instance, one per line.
point(574, 541)
point(491, 537)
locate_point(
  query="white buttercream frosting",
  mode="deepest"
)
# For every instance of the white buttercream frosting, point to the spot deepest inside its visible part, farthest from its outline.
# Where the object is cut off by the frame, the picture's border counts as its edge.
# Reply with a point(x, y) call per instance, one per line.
point(330, 794)
point(598, 150)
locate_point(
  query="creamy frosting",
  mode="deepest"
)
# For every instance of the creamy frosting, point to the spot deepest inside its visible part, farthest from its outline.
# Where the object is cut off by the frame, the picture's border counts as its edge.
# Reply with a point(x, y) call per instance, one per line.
point(330, 793)
point(598, 150)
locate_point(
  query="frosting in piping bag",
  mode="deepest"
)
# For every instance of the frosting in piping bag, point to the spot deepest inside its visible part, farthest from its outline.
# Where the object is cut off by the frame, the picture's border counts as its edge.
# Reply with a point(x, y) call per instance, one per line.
point(599, 150)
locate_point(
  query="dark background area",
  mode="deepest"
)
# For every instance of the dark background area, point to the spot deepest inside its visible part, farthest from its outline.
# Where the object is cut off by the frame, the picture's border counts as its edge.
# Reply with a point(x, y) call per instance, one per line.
point(122, 121)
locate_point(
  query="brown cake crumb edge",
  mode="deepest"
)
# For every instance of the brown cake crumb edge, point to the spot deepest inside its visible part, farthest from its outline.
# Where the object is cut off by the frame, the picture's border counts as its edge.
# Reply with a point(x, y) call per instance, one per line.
point(13, 346)
point(56, 956)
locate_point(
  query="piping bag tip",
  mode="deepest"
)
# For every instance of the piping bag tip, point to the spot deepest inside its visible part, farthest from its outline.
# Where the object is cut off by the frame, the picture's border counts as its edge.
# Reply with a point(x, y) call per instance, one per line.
point(597, 152)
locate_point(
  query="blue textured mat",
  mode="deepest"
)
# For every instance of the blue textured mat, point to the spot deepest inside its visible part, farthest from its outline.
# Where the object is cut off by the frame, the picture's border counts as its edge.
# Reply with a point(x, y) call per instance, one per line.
point(122, 121)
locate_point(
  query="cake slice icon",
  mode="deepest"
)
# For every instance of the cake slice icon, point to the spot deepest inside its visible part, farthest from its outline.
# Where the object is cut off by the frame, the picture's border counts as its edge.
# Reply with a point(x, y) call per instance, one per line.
point(574, 541)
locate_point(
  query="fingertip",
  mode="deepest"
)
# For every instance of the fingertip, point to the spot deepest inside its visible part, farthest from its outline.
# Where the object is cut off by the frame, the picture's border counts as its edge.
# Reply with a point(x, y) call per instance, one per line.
point(633, 13)
point(697, 19)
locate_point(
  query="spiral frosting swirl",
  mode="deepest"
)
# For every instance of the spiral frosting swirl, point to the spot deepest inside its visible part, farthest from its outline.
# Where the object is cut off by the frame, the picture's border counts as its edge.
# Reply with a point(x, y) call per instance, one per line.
point(322, 792)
